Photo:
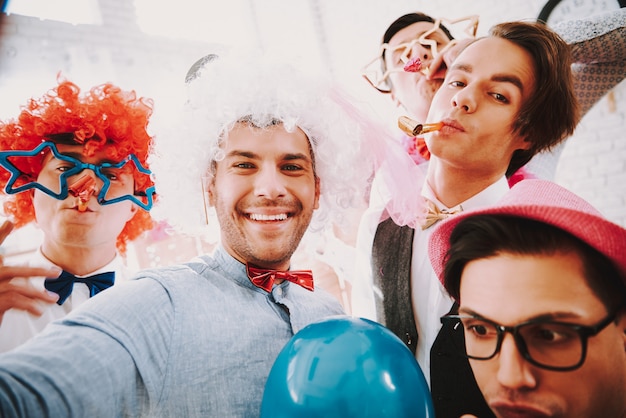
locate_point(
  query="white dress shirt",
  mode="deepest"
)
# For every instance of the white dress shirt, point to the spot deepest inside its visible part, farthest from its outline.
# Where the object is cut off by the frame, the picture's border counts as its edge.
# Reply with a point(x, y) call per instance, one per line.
point(430, 300)
point(19, 326)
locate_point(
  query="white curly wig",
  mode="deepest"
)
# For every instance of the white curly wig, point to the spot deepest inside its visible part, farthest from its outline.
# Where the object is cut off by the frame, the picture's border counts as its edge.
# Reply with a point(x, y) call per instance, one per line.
point(260, 87)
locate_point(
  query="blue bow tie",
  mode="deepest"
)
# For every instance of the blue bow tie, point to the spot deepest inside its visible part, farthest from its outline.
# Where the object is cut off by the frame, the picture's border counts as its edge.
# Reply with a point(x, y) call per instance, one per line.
point(64, 284)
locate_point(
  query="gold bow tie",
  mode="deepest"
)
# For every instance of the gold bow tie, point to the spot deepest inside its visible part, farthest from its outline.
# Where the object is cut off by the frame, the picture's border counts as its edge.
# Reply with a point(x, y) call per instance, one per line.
point(435, 214)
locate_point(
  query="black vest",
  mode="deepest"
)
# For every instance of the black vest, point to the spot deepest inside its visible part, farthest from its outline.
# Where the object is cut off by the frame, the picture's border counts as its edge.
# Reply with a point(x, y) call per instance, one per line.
point(453, 387)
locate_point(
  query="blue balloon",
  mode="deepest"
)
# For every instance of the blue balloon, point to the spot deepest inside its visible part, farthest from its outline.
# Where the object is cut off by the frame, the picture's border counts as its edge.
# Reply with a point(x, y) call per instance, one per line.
point(346, 367)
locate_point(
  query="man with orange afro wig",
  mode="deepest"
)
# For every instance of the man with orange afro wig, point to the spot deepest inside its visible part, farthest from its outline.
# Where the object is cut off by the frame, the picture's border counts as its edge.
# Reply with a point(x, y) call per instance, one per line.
point(76, 165)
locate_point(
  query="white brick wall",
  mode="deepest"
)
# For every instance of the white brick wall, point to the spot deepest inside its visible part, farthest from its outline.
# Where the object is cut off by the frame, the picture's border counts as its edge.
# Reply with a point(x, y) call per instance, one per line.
point(593, 163)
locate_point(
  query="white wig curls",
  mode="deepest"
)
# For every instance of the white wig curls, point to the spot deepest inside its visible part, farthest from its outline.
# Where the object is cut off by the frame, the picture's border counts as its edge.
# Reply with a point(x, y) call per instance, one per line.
point(262, 89)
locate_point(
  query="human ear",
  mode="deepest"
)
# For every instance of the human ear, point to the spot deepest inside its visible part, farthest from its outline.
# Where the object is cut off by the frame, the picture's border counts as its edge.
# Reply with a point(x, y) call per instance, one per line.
point(524, 144)
point(210, 190)
point(132, 210)
point(621, 325)
point(317, 193)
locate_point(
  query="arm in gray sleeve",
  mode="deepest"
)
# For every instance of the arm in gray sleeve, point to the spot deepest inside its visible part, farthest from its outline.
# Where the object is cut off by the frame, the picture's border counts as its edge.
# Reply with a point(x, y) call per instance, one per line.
point(104, 359)
point(598, 45)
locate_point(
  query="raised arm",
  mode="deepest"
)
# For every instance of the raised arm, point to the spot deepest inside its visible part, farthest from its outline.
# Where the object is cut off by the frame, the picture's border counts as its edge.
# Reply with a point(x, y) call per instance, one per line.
point(599, 52)
point(101, 360)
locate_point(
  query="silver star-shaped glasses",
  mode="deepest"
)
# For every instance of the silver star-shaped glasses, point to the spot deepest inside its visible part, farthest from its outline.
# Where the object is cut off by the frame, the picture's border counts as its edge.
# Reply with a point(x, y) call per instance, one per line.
point(376, 72)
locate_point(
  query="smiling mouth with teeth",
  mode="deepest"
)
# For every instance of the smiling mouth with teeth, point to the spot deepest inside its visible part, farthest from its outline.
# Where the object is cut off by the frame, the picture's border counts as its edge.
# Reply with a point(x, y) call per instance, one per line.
point(260, 217)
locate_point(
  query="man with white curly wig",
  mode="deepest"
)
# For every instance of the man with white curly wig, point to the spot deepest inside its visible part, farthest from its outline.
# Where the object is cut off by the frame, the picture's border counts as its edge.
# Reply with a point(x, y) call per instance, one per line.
point(271, 145)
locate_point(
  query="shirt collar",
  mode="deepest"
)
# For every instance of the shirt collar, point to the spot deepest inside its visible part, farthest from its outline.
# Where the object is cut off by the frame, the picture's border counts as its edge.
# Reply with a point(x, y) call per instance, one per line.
point(235, 269)
point(232, 267)
point(486, 197)
point(116, 265)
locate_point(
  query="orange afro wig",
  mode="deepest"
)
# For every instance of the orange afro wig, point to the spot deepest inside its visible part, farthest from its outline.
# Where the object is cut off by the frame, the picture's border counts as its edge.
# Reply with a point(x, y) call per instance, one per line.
point(104, 118)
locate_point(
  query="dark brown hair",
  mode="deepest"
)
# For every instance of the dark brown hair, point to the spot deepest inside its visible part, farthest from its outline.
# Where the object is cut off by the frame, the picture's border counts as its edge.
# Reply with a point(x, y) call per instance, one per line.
point(552, 112)
point(483, 236)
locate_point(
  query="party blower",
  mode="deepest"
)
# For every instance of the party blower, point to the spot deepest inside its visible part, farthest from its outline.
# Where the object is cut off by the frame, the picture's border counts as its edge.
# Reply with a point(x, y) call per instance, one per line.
point(413, 128)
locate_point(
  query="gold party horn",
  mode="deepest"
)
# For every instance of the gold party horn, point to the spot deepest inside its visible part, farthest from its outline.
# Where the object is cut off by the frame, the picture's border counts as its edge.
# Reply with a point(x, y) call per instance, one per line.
point(412, 128)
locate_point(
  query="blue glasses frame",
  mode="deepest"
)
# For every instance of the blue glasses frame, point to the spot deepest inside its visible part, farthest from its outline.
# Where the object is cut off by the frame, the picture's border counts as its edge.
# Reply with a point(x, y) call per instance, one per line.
point(79, 166)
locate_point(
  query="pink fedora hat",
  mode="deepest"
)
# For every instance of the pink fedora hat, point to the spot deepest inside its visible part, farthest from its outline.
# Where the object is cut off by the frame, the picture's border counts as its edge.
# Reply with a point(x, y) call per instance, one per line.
point(546, 202)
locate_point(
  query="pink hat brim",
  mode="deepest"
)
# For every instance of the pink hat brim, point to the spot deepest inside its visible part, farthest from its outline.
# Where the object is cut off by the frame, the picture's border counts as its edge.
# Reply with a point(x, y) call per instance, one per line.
point(546, 202)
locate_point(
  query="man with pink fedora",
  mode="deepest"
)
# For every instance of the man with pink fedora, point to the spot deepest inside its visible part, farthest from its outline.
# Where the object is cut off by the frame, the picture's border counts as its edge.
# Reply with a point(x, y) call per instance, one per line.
point(540, 283)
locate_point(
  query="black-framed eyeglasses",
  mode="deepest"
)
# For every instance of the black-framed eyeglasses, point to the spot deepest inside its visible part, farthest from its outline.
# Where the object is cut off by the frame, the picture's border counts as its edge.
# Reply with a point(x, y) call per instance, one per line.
point(551, 345)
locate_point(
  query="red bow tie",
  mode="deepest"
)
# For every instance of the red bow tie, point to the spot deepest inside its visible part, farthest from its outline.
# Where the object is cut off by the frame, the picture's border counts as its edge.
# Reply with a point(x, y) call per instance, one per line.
point(264, 278)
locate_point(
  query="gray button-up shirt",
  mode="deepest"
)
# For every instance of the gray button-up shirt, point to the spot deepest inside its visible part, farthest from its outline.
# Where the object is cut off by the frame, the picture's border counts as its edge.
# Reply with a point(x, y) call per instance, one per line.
point(194, 340)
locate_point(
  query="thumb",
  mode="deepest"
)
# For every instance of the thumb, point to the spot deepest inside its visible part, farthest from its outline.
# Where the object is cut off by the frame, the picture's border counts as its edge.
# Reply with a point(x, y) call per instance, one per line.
point(5, 230)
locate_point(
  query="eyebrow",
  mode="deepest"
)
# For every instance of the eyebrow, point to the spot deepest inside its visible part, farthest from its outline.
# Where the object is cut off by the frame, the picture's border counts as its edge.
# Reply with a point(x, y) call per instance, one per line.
point(80, 155)
point(413, 37)
point(437, 35)
point(540, 317)
point(500, 78)
point(286, 156)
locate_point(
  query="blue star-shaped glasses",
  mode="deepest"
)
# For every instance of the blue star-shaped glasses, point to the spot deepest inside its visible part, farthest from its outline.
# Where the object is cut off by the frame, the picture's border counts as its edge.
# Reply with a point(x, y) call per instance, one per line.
point(140, 198)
